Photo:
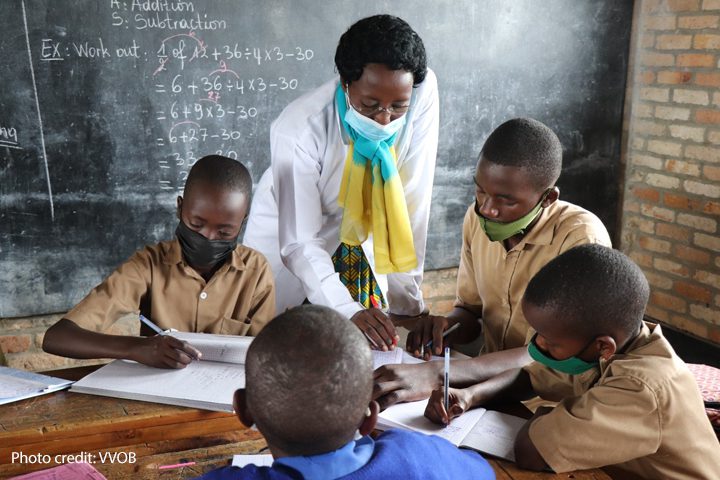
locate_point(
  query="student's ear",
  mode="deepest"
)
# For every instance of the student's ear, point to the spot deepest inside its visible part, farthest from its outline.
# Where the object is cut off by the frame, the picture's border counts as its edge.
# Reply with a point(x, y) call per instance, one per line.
point(553, 194)
point(371, 416)
point(241, 408)
point(606, 346)
point(179, 207)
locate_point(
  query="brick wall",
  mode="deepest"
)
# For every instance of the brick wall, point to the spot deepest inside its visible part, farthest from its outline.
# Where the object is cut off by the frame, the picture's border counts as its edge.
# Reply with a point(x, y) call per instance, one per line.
point(21, 342)
point(671, 205)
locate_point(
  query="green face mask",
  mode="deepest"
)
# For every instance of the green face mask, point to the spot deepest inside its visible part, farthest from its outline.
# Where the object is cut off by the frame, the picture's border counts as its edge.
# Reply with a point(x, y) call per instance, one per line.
point(571, 366)
point(498, 232)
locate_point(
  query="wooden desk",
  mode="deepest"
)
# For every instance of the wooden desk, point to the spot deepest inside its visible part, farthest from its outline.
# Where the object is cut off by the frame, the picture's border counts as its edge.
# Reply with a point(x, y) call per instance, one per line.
point(153, 434)
point(72, 423)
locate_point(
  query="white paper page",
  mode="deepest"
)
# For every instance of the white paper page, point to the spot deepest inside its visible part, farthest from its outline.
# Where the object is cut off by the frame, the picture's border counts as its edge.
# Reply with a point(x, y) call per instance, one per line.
point(407, 358)
point(17, 384)
point(410, 416)
point(495, 434)
point(198, 382)
point(11, 387)
point(390, 357)
point(261, 460)
point(217, 348)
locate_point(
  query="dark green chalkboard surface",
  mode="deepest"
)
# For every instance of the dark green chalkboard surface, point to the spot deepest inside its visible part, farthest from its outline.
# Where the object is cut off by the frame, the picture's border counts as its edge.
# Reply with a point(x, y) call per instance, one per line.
point(105, 104)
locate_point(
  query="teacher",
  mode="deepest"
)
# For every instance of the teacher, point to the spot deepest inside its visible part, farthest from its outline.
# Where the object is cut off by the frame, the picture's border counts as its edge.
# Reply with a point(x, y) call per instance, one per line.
point(342, 212)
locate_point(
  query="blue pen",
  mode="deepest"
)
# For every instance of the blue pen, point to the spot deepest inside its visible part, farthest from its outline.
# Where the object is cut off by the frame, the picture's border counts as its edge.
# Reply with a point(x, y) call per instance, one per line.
point(150, 324)
point(446, 396)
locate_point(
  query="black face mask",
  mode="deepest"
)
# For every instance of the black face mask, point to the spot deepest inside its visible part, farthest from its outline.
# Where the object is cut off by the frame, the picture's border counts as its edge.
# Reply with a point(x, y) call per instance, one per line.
point(199, 251)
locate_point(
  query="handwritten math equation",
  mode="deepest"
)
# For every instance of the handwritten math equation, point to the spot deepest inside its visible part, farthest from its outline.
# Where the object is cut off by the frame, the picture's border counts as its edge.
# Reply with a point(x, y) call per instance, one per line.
point(206, 97)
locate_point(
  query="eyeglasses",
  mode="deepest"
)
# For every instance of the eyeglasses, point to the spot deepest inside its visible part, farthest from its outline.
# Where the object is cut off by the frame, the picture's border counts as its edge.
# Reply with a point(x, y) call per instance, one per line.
point(397, 111)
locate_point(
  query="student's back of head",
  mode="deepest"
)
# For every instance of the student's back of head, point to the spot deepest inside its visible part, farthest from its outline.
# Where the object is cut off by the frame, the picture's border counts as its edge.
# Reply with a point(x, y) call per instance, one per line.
point(308, 380)
point(593, 290)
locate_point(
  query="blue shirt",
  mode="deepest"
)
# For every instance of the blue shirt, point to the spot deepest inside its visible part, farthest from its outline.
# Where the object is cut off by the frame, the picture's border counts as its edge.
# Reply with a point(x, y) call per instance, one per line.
point(329, 466)
point(397, 454)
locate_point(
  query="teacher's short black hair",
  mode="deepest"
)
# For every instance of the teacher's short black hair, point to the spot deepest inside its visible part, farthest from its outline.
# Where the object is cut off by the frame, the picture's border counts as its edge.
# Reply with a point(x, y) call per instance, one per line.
point(593, 290)
point(527, 144)
point(221, 172)
point(384, 39)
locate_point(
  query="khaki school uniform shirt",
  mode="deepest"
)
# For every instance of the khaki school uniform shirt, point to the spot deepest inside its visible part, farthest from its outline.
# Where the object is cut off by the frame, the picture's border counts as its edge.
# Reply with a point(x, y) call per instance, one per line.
point(640, 411)
point(239, 299)
point(491, 280)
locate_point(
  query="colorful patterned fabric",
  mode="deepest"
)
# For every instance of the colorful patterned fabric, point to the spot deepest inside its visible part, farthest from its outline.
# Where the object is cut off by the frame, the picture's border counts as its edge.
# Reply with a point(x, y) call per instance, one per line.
point(373, 200)
point(708, 380)
point(357, 276)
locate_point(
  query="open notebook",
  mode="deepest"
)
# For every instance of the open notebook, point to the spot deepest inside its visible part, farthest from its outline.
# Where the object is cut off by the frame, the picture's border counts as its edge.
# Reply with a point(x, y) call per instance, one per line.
point(208, 383)
point(18, 384)
point(486, 431)
point(398, 355)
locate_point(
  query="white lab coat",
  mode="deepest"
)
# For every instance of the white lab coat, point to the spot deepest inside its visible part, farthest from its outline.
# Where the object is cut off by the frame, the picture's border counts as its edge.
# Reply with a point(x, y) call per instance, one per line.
point(295, 218)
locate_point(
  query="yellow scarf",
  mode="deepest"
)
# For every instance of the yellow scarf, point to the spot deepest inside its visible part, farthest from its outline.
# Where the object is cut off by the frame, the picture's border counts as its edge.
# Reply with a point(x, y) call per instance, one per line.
point(373, 205)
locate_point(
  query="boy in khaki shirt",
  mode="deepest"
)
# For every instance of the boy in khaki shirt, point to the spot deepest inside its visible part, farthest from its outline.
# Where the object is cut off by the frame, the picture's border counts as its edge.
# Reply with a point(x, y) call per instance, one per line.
point(202, 281)
point(513, 228)
point(626, 399)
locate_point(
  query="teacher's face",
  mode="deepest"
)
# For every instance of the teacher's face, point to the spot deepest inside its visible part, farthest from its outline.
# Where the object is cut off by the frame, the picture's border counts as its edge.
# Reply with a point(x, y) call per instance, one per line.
point(380, 93)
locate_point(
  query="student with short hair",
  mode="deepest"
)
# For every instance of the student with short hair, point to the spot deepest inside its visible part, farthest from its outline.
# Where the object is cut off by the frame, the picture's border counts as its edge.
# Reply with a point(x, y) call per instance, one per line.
point(310, 398)
point(515, 225)
point(202, 281)
point(626, 399)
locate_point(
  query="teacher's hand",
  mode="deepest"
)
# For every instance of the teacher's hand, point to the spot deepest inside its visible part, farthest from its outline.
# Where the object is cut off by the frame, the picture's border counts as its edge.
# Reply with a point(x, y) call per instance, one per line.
point(377, 327)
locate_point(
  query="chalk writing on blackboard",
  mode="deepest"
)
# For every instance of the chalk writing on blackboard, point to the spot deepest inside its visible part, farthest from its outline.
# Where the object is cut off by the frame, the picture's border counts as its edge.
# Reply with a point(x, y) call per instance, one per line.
point(9, 137)
point(205, 95)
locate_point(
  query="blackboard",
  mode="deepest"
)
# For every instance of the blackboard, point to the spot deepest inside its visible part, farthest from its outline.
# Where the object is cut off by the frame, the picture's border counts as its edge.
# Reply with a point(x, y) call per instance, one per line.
point(104, 105)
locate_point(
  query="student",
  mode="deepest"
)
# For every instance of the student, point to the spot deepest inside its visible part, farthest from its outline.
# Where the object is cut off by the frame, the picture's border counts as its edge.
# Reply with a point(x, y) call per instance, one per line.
point(515, 226)
point(202, 281)
point(626, 399)
point(310, 398)
point(312, 217)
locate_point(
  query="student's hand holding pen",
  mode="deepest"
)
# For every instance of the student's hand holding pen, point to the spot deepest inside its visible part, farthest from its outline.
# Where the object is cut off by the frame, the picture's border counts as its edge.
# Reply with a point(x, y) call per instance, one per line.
point(164, 351)
point(459, 401)
point(377, 328)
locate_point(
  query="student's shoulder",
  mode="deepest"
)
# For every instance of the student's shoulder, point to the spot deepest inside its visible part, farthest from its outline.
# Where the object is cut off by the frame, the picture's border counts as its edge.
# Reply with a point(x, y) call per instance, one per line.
point(650, 362)
point(166, 252)
point(567, 213)
point(247, 472)
point(250, 258)
point(418, 447)
point(573, 221)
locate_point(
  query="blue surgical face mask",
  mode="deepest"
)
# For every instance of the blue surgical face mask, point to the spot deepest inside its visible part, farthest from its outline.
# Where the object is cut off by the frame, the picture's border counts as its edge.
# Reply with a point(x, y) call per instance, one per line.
point(369, 128)
point(572, 366)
